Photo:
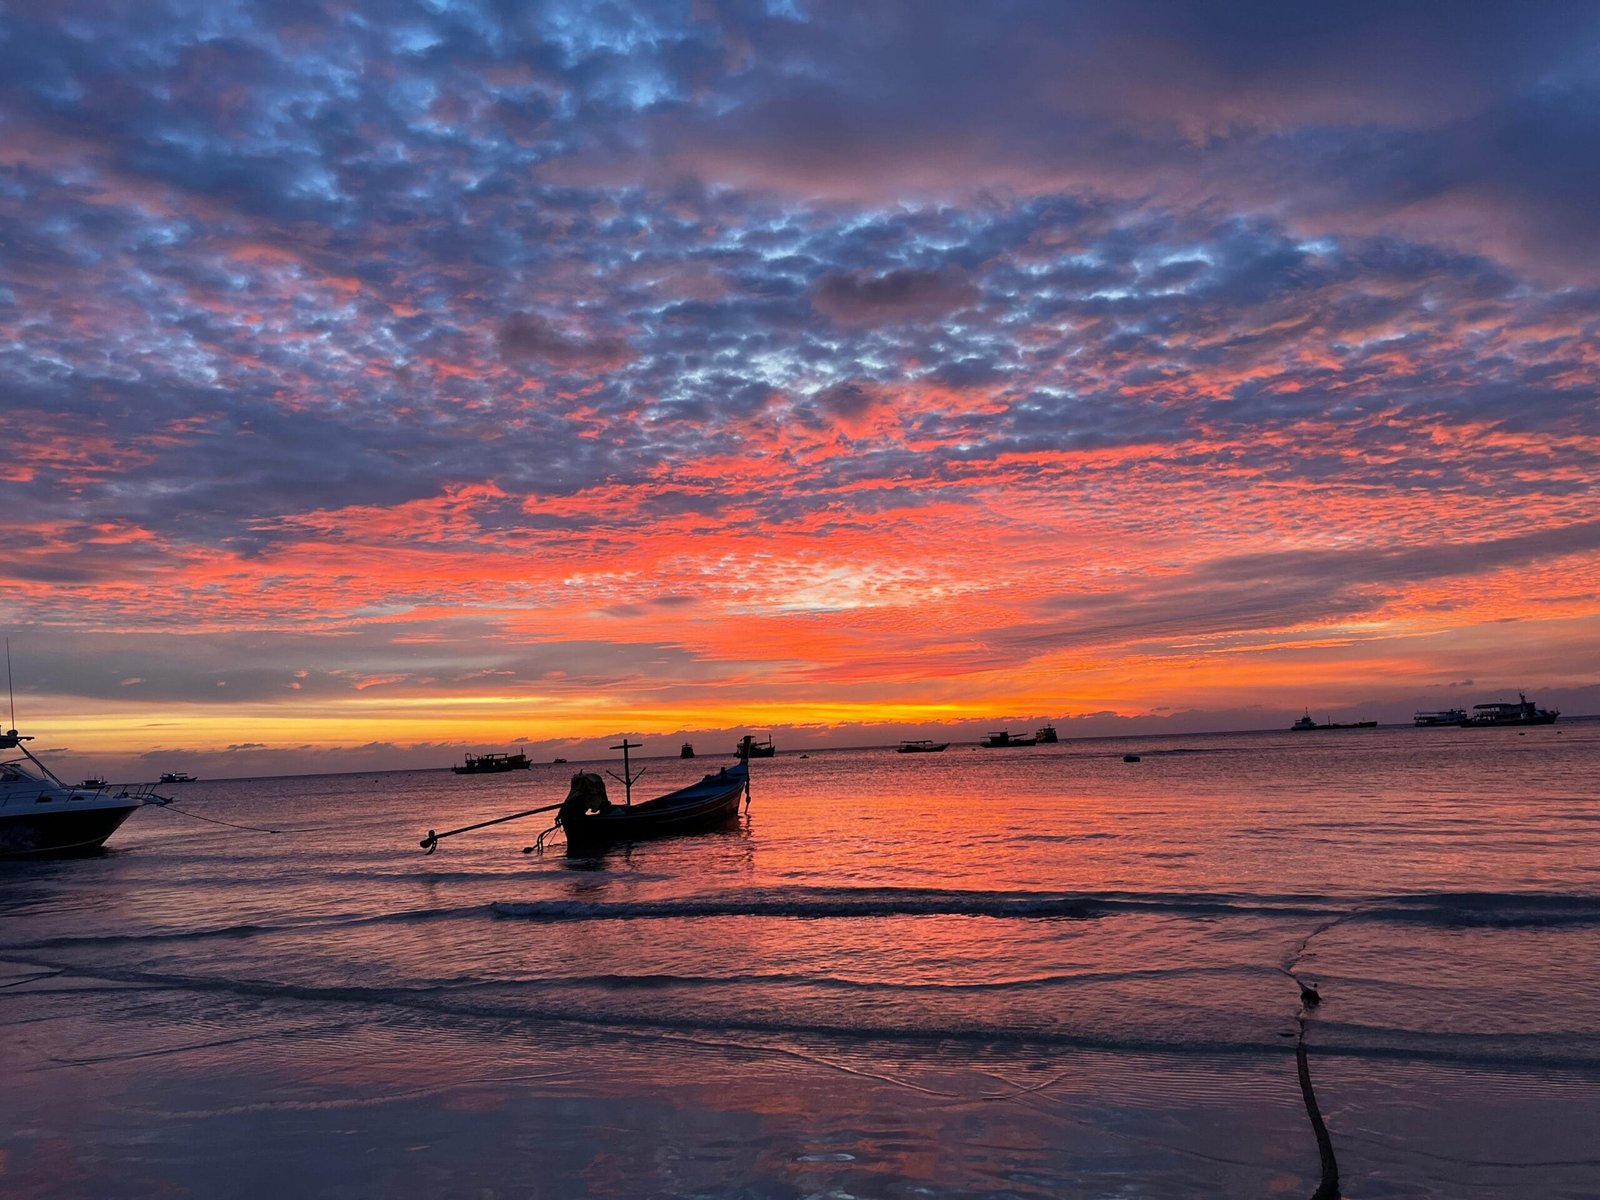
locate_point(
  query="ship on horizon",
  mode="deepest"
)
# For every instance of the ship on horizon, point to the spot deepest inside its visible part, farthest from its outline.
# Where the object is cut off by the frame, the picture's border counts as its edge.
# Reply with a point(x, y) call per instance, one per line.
point(1523, 712)
point(1305, 723)
point(493, 764)
point(1493, 714)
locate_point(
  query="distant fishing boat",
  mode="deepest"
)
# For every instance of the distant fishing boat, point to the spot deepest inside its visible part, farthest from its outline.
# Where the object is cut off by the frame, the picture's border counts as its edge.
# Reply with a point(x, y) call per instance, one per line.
point(1047, 733)
point(922, 746)
point(178, 777)
point(748, 747)
point(997, 740)
point(1305, 723)
point(1524, 712)
point(687, 751)
point(492, 764)
point(94, 781)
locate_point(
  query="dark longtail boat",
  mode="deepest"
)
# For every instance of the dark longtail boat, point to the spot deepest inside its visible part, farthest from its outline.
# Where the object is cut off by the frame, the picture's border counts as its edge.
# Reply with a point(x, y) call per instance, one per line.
point(995, 740)
point(590, 818)
point(591, 821)
point(493, 764)
point(748, 747)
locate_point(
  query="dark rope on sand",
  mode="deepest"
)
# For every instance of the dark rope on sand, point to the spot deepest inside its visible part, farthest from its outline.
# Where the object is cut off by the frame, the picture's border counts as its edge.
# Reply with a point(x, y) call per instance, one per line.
point(1328, 1187)
point(33, 978)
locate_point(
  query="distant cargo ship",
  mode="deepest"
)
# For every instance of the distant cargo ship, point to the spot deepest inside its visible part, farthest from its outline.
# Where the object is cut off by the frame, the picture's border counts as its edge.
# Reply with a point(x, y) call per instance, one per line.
point(1306, 722)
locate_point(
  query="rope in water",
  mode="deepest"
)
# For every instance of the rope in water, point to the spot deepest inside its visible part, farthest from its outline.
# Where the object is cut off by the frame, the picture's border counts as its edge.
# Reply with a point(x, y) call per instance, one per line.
point(214, 820)
point(1310, 998)
point(538, 845)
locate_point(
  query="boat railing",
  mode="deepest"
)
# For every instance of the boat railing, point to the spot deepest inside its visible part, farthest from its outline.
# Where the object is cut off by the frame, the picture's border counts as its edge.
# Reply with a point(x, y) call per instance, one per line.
point(29, 791)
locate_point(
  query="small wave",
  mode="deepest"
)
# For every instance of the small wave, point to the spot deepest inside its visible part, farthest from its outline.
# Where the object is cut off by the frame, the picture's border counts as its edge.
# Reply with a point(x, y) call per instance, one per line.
point(1484, 909)
point(539, 1009)
point(809, 982)
point(912, 902)
point(1443, 909)
point(311, 924)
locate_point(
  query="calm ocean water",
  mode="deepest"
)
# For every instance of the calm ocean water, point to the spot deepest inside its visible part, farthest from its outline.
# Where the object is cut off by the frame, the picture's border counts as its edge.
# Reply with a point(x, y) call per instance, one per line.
point(999, 973)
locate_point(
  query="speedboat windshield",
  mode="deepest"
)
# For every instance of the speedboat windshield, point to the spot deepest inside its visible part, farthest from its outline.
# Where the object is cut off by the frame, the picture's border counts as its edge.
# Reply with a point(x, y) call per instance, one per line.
point(17, 770)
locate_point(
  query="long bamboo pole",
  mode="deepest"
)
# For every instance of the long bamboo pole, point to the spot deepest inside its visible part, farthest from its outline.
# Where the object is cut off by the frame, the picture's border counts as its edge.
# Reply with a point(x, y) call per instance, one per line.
point(431, 842)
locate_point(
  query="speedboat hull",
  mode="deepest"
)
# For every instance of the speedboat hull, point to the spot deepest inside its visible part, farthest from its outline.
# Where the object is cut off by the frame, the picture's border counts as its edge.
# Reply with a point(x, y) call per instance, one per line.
point(64, 827)
point(41, 815)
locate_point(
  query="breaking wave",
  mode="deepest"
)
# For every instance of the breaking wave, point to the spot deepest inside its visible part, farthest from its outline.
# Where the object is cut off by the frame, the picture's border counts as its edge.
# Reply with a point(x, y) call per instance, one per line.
point(542, 1011)
point(1442, 909)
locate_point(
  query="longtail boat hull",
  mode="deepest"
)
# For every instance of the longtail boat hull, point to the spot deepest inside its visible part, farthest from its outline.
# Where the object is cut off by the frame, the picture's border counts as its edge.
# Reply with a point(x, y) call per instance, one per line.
point(709, 804)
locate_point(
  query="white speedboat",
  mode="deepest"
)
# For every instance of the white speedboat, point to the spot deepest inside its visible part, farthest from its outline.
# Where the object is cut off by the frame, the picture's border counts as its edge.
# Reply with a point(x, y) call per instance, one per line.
point(41, 815)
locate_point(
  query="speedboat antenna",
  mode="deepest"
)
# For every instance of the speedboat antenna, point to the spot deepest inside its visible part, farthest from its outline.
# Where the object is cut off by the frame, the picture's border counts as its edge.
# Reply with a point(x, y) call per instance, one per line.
point(627, 778)
point(12, 740)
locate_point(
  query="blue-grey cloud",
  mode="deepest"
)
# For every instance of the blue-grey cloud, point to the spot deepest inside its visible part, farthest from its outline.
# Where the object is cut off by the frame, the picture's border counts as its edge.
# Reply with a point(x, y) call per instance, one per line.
point(272, 269)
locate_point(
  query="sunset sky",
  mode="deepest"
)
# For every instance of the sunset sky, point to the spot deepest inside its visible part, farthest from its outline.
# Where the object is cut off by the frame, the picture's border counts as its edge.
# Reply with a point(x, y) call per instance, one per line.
point(383, 380)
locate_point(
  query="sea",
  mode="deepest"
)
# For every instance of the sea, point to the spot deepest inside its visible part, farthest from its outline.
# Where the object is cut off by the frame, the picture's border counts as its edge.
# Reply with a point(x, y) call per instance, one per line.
point(1343, 962)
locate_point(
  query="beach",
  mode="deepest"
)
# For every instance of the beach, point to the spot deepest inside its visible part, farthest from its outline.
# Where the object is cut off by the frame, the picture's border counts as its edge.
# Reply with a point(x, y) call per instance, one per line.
point(1039, 971)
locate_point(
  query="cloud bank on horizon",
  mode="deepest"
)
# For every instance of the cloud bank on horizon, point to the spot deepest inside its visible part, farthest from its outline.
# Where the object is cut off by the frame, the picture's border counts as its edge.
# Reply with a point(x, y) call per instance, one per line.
point(576, 366)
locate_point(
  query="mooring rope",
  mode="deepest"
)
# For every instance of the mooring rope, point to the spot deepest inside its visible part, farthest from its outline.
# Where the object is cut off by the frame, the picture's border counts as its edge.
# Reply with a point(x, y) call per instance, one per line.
point(1310, 998)
point(167, 807)
point(1328, 1186)
point(538, 842)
